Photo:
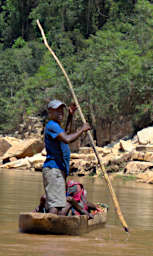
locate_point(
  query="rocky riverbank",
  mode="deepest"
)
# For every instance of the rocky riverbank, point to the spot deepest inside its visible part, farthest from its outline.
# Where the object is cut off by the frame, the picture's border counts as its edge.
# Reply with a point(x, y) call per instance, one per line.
point(129, 157)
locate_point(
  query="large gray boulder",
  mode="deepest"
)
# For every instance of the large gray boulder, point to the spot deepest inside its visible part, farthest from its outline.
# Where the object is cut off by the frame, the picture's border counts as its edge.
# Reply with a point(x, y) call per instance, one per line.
point(28, 147)
point(4, 146)
point(145, 136)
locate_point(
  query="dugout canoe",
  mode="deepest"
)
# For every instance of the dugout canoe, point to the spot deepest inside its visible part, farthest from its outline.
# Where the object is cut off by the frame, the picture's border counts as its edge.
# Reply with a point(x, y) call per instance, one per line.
point(48, 223)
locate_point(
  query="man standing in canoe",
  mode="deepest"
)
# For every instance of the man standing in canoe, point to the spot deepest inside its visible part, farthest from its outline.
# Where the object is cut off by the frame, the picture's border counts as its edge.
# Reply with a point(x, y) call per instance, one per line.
point(56, 166)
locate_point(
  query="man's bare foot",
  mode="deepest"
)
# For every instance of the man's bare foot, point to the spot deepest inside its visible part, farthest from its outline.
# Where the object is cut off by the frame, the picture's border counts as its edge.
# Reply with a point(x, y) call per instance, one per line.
point(53, 210)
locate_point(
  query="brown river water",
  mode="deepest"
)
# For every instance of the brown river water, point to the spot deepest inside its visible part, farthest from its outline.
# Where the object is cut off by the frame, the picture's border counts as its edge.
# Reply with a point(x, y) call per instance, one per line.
point(20, 191)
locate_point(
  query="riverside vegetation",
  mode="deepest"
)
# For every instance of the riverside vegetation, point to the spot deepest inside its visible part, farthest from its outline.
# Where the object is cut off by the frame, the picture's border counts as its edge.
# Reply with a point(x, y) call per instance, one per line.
point(104, 45)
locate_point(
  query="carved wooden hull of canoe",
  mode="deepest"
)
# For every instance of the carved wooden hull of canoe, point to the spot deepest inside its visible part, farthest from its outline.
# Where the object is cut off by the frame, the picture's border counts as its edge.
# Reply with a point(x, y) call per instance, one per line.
point(48, 223)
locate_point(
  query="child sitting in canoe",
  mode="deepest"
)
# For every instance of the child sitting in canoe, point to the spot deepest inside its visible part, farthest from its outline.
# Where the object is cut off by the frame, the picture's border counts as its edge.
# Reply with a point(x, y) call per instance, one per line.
point(77, 201)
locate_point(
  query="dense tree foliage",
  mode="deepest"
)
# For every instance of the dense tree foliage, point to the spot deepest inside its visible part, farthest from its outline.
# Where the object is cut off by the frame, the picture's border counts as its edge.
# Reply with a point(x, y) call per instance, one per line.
point(104, 45)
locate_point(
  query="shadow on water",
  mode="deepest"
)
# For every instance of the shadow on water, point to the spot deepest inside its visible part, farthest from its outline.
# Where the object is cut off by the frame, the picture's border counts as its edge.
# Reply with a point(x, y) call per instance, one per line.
point(20, 191)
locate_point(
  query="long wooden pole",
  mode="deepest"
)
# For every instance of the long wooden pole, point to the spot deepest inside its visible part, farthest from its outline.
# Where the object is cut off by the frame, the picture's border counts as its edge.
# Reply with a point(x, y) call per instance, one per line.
point(116, 203)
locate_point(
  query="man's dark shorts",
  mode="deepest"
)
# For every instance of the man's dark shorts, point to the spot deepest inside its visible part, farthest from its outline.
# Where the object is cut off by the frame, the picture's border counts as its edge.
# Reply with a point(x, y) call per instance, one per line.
point(54, 184)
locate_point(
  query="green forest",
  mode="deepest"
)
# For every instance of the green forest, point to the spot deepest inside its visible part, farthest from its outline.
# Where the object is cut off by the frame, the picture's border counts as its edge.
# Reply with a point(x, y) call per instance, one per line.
point(105, 46)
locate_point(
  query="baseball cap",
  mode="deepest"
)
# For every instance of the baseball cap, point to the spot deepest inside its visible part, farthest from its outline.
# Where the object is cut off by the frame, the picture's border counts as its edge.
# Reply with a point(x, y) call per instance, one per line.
point(55, 104)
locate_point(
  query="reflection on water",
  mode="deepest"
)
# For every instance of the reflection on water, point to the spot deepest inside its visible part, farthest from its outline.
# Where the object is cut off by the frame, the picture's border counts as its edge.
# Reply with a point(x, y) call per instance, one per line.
point(21, 190)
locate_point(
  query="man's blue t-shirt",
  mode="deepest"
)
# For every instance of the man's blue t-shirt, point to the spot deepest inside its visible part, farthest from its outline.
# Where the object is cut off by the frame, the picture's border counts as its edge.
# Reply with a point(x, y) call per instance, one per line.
point(58, 153)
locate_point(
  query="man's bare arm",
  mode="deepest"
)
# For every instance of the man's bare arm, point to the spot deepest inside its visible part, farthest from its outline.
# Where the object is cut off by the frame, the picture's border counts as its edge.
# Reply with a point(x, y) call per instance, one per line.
point(68, 138)
point(72, 109)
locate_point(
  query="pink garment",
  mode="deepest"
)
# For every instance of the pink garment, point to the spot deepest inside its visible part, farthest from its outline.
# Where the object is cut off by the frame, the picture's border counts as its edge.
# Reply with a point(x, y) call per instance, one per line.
point(76, 191)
